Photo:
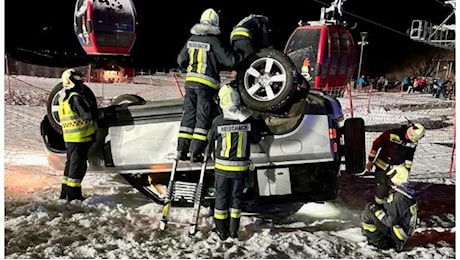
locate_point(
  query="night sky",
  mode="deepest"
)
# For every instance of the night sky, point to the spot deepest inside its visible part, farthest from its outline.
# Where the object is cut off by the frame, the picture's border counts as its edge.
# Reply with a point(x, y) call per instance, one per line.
point(163, 27)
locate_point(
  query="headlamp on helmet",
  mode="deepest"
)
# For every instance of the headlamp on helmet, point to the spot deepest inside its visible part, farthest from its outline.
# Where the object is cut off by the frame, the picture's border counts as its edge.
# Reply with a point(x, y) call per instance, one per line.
point(70, 78)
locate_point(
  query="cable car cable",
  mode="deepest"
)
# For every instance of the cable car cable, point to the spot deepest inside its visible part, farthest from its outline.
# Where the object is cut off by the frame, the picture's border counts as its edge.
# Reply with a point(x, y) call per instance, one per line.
point(367, 20)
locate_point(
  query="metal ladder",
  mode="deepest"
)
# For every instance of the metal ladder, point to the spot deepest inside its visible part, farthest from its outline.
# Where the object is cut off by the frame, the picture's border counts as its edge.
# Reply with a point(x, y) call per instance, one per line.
point(188, 191)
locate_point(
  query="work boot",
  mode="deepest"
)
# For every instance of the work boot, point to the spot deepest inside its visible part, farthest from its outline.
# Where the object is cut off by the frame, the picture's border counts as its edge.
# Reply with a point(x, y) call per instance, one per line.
point(234, 234)
point(221, 228)
point(234, 227)
point(223, 235)
point(63, 194)
point(74, 193)
point(80, 194)
point(182, 156)
point(197, 157)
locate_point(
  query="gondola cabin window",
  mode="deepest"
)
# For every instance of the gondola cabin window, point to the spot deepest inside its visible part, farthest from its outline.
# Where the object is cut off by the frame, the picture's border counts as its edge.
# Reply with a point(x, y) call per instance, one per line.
point(105, 27)
point(324, 54)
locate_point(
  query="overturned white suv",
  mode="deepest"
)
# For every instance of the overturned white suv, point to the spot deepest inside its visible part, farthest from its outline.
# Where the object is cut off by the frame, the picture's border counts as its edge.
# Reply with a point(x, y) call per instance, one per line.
point(299, 159)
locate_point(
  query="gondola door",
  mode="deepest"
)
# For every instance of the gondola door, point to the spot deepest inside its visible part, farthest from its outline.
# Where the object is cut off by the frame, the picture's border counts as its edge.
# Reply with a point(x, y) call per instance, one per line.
point(105, 27)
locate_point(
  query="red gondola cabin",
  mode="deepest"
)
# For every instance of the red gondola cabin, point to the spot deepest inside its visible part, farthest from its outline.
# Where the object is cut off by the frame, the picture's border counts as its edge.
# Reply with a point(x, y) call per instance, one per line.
point(324, 54)
point(105, 27)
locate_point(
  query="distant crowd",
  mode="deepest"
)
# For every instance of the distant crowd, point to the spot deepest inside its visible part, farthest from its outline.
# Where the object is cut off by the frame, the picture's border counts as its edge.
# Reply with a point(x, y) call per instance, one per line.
point(438, 87)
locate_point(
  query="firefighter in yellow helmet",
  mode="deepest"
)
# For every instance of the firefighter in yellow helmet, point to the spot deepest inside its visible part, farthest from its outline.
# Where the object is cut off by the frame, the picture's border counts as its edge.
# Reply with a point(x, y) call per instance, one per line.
point(393, 147)
point(203, 56)
point(392, 224)
point(78, 114)
point(232, 133)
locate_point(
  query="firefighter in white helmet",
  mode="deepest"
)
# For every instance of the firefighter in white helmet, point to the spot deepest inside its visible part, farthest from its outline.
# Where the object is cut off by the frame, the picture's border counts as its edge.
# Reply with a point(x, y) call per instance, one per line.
point(393, 147)
point(232, 133)
point(203, 56)
point(392, 224)
point(78, 116)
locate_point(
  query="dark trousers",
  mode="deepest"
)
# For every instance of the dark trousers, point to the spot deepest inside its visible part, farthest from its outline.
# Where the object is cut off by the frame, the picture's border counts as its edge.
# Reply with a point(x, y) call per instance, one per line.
point(198, 112)
point(75, 170)
point(229, 194)
point(381, 181)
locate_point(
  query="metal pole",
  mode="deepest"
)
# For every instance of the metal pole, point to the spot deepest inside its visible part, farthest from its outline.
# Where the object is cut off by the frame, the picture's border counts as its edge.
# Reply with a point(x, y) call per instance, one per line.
point(450, 69)
point(437, 68)
point(362, 42)
point(350, 97)
point(452, 156)
point(359, 66)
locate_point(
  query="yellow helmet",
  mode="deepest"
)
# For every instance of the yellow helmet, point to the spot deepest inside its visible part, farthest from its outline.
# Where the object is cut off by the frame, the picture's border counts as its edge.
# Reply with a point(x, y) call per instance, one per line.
point(399, 175)
point(228, 97)
point(70, 77)
point(210, 17)
point(415, 132)
point(230, 102)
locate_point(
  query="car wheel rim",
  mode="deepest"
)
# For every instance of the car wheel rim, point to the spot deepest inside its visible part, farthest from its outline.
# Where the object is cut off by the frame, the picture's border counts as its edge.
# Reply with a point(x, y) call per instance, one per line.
point(265, 79)
point(55, 108)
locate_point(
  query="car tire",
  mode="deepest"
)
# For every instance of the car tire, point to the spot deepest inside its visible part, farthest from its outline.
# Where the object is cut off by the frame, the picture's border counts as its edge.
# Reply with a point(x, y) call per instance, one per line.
point(267, 80)
point(128, 99)
point(355, 147)
point(52, 105)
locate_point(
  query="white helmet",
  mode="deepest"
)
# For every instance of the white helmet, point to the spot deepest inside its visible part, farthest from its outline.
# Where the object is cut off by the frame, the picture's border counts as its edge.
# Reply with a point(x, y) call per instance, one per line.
point(70, 77)
point(228, 97)
point(415, 132)
point(210, 17)
point(230, 102)
point(398, 175)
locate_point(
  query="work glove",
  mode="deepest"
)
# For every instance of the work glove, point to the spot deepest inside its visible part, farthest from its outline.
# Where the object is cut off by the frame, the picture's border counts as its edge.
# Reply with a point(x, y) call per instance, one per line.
point(369, 166)
point(373, 208)
point(106, 115)
point(252, 166)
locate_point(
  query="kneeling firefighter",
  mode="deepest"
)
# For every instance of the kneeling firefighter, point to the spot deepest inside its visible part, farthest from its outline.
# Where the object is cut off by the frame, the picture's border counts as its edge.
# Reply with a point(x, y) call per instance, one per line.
point(390, 225)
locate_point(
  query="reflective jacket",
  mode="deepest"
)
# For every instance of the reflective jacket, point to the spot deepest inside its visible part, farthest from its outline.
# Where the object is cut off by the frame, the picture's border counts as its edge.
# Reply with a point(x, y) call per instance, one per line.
point(252, 33)
point(392, 148)
point(398, 218)
point(204, 56)
point(233, 142)
point(75, 128)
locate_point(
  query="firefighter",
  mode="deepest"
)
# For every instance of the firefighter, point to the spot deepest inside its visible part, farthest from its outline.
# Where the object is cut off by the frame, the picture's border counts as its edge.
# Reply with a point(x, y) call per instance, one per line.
point(233, 131)
point(392, 224)
point(393, 147)
point(78, 114)
point(252, 33)
point(203, 56)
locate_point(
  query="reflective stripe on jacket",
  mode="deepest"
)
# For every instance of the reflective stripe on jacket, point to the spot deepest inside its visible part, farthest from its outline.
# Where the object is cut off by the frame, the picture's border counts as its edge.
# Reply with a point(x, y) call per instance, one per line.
point(203, 55)
point(399, 215)
point(233, 143)
point(74, 128)
point(392, 148)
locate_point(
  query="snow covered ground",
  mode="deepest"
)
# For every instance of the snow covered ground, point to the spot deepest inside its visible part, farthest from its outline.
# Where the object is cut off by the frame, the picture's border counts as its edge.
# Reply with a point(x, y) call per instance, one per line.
point(118, 222)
